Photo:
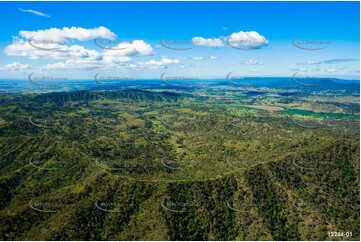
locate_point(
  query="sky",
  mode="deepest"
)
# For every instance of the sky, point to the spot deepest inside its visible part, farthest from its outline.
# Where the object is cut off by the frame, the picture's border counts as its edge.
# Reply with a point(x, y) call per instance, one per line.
point(143, 40)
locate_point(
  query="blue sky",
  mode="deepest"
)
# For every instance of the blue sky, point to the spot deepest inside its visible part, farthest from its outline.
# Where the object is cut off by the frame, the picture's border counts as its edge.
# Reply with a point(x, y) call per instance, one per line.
point(280, 38)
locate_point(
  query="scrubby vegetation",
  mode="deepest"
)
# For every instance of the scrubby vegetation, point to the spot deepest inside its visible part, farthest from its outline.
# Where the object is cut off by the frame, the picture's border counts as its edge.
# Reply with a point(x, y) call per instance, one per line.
point(141, 165)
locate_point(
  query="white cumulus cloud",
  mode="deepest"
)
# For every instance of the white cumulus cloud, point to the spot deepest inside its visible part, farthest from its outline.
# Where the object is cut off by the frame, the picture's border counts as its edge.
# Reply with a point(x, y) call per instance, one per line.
point(76, 56)
point(250, 39)
point(215, 42)
point(75, 64)
point(135, 48)
point(15, 66)
point(21, 47)
point(153, 64)
point(78, 33)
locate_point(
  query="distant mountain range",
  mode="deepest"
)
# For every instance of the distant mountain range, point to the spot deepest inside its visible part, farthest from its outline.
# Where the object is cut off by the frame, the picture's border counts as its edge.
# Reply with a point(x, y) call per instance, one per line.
point(24, 86)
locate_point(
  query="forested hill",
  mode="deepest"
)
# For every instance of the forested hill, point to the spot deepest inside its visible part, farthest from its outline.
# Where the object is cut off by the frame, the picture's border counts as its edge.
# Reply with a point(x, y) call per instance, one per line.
point(61, 97)
point(139, 165)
